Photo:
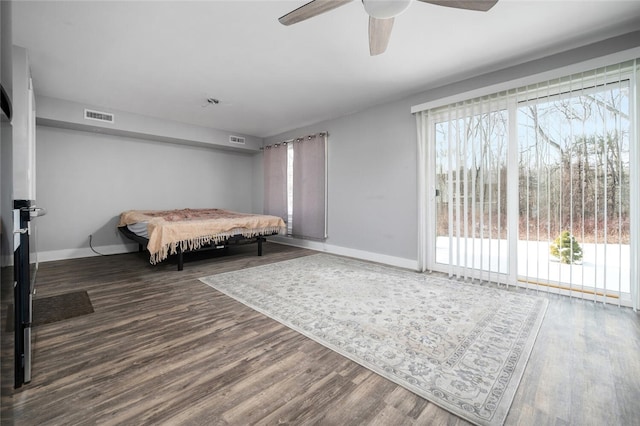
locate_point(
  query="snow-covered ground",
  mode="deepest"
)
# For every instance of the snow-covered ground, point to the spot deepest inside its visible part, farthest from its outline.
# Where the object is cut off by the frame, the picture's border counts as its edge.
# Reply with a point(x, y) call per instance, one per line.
point(603, 266)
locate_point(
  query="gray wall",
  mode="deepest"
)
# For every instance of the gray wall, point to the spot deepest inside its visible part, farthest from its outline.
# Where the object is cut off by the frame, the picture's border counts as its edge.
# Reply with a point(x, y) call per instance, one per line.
point(6, 138)
point(371, 180)
point(372, 192)
point(22, 123)
point(55, 112)
point(86, 179)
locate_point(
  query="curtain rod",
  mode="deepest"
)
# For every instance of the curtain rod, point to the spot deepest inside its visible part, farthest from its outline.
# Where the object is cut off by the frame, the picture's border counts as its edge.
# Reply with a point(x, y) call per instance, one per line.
point(288, 141)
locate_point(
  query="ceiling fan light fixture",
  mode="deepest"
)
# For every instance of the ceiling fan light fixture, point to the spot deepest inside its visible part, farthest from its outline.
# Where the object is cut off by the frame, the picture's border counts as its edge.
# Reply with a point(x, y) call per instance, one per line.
point(385, 9)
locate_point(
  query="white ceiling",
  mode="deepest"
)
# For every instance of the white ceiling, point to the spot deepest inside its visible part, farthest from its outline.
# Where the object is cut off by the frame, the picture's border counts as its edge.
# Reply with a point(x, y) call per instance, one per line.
point(163, 59)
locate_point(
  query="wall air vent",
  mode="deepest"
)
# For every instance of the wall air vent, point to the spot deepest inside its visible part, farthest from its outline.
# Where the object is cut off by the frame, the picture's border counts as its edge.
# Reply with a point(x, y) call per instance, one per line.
point(238, 140)
point(104, 117)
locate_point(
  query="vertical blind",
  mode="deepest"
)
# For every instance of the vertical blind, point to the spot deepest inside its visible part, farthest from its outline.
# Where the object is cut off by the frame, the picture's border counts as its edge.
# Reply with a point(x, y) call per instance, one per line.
point(470, 141)
point(295, 184)
point(536, 185)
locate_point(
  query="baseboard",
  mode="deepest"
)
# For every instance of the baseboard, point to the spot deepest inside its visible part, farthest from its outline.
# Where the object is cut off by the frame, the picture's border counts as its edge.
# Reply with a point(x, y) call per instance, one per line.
point(349, 252)
point(53, 255)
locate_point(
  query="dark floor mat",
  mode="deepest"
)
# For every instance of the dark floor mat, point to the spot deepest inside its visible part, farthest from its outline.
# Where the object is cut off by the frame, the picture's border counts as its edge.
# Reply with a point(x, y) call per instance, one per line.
point(56, 308)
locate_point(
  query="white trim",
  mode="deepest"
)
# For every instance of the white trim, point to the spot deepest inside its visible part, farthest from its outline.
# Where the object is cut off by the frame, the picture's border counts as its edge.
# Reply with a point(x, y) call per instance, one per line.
point(513, 183)
point(326, 184)
point(53, 255)
point(584, 66)
point(634, 179)
point(348, 252)
point(425, 201)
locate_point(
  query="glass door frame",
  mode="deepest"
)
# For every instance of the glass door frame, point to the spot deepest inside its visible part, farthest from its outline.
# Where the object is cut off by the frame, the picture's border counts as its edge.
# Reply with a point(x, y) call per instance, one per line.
point(510, 277)
point(427, 190)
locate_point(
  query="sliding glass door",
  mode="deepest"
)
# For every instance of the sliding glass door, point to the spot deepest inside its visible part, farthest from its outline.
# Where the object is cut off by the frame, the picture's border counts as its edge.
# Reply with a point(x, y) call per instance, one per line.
point(534, 186)
point(574, 170)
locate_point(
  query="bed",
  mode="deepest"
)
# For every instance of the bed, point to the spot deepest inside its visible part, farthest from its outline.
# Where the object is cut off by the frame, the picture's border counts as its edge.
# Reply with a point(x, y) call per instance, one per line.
point(167, 232)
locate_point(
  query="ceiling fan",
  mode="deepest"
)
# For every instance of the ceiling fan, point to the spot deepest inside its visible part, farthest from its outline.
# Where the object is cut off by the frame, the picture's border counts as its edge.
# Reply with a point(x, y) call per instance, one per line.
point(381, 15)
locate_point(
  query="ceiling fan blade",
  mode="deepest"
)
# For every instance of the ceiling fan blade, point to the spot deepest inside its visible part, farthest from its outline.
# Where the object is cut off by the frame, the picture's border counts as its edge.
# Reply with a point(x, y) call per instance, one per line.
point(479, 5)
point(379, 34)
point(311, 9)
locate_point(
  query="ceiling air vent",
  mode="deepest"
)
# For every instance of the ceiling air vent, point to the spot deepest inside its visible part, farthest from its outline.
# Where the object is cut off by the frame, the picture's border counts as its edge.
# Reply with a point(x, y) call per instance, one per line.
point(105, 117)
point(239, 140)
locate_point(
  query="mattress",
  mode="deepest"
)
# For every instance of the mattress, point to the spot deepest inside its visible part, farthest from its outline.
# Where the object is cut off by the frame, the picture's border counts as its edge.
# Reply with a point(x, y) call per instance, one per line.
point(140, 229)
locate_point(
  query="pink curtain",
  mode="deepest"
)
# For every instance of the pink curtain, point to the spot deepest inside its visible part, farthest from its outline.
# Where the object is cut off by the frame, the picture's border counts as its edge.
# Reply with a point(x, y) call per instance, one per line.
point(309, 187)
point(275, 181)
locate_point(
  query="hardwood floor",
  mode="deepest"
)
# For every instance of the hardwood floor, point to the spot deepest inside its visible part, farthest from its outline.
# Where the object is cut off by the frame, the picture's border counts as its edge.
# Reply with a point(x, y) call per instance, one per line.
point(163, 348)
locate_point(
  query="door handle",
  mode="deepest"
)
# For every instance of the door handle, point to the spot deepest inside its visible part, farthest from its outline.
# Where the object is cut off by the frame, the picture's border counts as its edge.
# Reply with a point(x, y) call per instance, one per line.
point(37, 212)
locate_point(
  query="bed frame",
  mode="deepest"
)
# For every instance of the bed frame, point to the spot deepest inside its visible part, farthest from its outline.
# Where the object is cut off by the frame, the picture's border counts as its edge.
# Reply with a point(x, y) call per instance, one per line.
point(236, 239)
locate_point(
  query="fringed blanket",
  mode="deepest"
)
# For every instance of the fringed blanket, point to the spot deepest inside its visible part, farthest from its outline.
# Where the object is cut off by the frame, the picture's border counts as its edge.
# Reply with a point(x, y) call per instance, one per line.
point(191, 229)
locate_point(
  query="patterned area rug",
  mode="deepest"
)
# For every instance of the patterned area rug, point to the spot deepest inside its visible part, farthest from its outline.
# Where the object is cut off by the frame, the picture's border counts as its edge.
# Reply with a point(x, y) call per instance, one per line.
point(461, 346)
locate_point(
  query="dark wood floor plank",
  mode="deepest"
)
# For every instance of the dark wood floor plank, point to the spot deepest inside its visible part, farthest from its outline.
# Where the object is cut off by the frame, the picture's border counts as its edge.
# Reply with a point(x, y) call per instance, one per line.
point(163, 348)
